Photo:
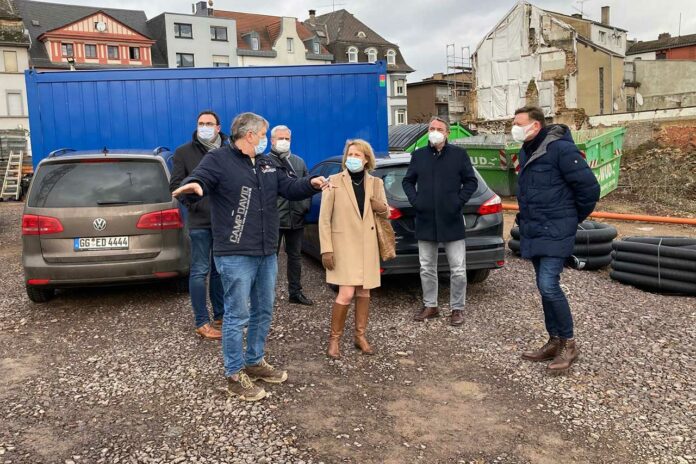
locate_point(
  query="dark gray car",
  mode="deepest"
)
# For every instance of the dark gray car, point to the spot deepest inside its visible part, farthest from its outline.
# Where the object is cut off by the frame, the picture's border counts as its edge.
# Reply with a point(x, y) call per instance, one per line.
point(485, 247)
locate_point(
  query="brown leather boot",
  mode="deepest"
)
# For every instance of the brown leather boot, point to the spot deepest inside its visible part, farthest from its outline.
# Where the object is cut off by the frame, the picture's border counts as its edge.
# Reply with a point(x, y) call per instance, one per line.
point(362, 310)
point(545, 353)
point(208, 332)
point(566, 356)
point(427, 312)
point(338, 322)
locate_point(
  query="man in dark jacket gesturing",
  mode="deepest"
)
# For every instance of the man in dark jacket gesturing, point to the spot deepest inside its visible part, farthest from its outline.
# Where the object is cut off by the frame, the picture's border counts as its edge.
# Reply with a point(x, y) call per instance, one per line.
point(556, 191)
point(291, 213)
point(438, 183)
point(243, 186)
point(186, 157)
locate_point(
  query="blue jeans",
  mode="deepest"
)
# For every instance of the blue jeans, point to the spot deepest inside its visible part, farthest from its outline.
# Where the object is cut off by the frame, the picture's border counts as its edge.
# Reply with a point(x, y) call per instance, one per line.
point(249, 283)
point(559, 321)
point(201, 265)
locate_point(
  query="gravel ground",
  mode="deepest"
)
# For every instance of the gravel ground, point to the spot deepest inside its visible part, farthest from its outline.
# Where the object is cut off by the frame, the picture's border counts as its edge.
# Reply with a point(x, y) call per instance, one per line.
point(116, 375)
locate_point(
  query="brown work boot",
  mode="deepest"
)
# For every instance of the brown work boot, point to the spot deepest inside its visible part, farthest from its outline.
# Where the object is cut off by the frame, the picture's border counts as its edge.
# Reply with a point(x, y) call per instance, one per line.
point(545, 353)
point(242, 386)
point(362, 310)
point(338, 322)
point(208, 332)
point(457, 317)
point(428, 312)
point(217, 324)
point(566, 356)
point(266, 372)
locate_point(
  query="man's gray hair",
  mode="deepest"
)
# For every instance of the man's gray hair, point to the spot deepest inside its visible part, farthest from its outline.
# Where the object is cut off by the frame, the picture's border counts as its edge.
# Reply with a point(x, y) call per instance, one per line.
point(246, 122)
point(280, 127)
point(442, 119)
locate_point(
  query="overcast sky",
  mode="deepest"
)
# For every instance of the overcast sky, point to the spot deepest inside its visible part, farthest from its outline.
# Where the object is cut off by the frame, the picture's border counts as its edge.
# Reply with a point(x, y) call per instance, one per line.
point(422, 29)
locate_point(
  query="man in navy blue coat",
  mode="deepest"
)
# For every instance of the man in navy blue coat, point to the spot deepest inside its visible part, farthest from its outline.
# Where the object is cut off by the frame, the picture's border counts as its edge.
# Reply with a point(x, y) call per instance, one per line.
point(243, 186)
point(556, 191)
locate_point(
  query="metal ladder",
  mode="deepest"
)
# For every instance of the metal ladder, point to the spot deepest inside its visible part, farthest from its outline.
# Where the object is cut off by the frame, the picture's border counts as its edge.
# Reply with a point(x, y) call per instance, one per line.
point(11, 184)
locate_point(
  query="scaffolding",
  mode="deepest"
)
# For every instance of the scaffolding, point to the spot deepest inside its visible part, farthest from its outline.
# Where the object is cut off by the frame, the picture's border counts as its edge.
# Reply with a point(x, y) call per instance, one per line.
point(458, 64)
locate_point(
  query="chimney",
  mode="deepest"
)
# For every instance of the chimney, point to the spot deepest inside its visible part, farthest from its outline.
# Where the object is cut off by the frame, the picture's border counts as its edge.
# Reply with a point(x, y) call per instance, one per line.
point(605, 15)
point(664, 35)
point(312, 16)
point(202, 9)
point(577, 15)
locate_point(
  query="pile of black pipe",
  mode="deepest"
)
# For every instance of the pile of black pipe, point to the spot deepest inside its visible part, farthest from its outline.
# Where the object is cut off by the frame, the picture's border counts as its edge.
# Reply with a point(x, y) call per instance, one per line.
point(592, 244)
point(660, 264)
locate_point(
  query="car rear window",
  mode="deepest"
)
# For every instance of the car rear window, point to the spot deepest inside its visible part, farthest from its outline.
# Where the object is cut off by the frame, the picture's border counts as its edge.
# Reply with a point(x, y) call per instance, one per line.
point(94, 183)
point(393, 175)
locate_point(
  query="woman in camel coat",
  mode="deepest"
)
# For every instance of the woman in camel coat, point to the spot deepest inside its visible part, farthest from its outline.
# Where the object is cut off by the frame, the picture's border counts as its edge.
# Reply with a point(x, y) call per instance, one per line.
point(349, 249)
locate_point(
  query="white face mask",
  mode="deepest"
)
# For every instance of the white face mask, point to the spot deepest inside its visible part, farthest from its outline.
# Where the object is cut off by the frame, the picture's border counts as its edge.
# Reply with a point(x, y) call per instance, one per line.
point(519, 133)
point(436, 137)
point(282, 146)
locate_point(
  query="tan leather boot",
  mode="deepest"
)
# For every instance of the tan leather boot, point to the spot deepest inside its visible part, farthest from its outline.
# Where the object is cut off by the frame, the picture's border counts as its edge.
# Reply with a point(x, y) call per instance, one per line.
point(545, 353)
point(566, 356)
point(362, 310)
point(338, 322)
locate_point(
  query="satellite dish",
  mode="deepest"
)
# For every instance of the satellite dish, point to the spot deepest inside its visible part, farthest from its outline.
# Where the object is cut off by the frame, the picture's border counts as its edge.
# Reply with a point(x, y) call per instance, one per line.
point(639, 99)
point(616, 106)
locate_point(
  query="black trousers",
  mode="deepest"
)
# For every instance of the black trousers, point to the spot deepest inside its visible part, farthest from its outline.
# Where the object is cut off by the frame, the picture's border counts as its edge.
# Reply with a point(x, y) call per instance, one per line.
point(293, 248)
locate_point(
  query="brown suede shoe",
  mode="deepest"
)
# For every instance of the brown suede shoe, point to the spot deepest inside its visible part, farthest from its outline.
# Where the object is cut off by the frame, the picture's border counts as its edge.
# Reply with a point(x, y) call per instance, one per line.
point(242, 386)
point(428, 312)
point(545, 353)
point(566, 356)
point(209, 332)
point(266, 372)
point(217, 324)
point(457, 318)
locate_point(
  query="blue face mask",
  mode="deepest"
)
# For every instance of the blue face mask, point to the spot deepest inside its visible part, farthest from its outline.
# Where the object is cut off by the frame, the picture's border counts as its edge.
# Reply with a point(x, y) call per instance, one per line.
point(354, 164)
point(261, 147)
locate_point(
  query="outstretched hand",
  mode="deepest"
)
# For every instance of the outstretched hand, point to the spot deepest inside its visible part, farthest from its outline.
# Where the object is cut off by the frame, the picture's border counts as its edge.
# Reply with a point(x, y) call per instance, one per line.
point(191, 187)
point(321, 182)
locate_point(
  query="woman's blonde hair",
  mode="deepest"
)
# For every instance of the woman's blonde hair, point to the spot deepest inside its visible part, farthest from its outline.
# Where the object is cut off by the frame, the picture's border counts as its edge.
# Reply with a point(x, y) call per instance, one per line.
point(363, 147)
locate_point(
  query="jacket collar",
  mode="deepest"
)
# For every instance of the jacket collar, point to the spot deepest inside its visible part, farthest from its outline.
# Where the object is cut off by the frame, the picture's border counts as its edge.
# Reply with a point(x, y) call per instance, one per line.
point(553, 133)
point(348, 185)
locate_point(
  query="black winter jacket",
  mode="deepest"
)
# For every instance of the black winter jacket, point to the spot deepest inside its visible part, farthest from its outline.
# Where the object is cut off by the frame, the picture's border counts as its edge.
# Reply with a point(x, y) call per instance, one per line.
point(438, 185)
point(244, 199)
point(186, 158)
point(292, 213)
point(556, 190)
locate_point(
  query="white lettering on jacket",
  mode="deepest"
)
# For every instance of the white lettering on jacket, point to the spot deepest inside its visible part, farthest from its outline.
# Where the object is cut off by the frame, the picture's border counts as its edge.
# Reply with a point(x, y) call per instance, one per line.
point(241, 214)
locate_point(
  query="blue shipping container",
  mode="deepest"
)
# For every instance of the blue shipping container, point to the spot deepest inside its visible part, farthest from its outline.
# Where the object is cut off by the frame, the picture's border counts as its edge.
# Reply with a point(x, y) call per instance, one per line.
point(144, 108)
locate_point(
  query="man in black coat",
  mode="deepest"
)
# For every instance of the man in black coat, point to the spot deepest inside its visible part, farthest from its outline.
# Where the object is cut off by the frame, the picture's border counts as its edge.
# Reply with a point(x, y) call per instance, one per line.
point(438, 183)
point(291, 213)
point(186, 157)
point(556, 190)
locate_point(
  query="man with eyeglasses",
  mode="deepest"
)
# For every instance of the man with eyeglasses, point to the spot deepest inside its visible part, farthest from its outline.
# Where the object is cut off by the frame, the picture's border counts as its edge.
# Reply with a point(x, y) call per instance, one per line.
point(291, 213)
point(206, 137)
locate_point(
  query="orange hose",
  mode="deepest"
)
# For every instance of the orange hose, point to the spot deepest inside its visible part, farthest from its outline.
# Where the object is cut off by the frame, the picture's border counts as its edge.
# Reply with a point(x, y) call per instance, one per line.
point(627, 217)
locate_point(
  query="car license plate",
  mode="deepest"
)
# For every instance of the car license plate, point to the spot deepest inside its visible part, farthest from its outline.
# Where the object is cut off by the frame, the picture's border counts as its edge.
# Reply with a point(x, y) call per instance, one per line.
point(100, 243)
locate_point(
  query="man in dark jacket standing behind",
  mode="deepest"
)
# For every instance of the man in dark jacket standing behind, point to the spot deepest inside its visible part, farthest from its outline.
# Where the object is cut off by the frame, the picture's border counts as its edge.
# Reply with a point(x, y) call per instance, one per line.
point(206, 137)
point(438, 183)
point(291, 213)
point(556, 191)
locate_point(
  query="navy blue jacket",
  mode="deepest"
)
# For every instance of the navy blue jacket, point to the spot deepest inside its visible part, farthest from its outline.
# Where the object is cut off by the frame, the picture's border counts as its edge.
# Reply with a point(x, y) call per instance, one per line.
point(244, 199)
point(556, 190)
point(438, 185)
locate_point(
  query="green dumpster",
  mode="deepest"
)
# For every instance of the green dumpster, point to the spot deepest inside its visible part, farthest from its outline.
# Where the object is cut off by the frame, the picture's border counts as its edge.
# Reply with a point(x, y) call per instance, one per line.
point(495, 156)
point(456, 132)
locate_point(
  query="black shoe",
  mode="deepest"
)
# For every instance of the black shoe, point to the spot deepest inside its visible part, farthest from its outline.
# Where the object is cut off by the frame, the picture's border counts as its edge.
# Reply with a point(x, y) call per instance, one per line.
point(300, 299)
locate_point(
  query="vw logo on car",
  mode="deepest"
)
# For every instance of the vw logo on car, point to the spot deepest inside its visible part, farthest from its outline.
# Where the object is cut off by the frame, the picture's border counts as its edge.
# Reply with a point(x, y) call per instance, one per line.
point(99, 224)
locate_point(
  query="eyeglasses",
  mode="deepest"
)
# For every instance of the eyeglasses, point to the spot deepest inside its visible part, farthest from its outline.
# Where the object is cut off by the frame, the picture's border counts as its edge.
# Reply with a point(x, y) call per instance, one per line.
point(207, 124)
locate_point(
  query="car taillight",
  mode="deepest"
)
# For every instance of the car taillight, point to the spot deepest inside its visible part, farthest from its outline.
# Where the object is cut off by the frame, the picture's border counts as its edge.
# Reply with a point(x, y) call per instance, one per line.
point(160, 220)
point(38, 281)
point(394, 213)
point(492, 206)
point(33, 224)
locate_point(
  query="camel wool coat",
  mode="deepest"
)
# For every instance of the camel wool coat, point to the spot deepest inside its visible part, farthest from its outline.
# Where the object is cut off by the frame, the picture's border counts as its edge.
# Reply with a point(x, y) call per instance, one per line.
point(351, 238)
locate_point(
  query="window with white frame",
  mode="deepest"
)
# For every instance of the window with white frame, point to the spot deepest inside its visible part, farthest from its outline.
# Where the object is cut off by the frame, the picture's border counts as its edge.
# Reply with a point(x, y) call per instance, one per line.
point(399, 87)
point(371, 55)
point(15, 103)
point(352, 55)
point(316, 47)
point(221, 61)
point(10, 59)
point(400, 117)
point(291, 45)
point(361, 35)
point(254, 43)
point(391, 57)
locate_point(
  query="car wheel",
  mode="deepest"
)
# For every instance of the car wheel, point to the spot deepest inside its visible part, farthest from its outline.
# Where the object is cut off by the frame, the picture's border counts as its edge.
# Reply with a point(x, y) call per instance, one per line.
point(477, 276)
point(40, 294)
point(181, 284)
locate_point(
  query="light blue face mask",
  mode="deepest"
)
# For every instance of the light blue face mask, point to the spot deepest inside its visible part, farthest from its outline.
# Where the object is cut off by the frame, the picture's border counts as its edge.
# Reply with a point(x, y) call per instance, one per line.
point(261, 147)
point(206, 133)
point(354, 164)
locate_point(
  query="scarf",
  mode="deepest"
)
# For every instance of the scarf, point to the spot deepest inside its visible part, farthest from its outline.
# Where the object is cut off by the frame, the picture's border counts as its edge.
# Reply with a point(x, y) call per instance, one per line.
point(212, 144)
